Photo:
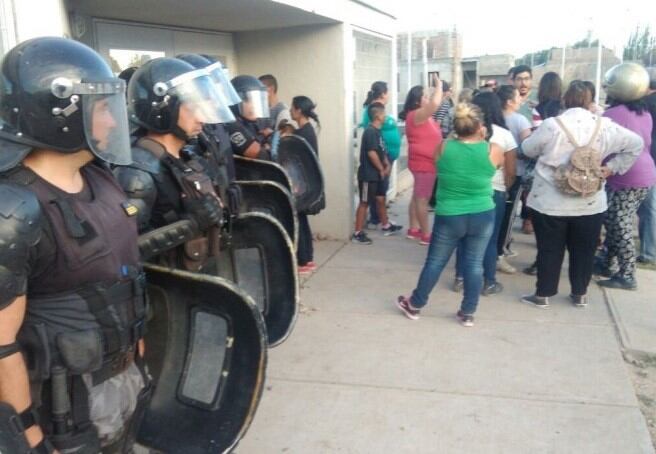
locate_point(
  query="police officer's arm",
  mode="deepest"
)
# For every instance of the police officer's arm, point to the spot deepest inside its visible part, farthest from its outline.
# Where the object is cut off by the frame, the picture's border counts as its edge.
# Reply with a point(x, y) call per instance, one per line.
point(253, 150)
point(20, 215)
point(14, 382)
point(244, 142)
point(140, 188)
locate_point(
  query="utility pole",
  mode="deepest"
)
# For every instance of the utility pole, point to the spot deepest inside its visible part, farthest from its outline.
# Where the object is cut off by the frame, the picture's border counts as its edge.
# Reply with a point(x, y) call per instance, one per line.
point(598, 81)
point(424, 58)
point(409, 60)
point(562, 63)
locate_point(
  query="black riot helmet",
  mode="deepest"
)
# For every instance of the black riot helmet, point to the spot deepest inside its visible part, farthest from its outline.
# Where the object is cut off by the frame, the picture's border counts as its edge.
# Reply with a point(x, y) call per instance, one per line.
point(216, 72)
point(253, 93)
point(59, 94)
point(162, 86)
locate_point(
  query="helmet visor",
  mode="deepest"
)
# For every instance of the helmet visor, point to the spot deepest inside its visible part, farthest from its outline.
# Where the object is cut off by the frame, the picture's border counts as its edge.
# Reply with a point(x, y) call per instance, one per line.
point(254, 104)
point(200, 95)
point(105, 119)
point(219, 76)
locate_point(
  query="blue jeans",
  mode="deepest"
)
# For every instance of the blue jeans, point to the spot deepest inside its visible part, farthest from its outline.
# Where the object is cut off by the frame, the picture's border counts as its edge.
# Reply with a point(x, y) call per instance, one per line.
point(490, 258)
point(475, 231)
point(647, 226)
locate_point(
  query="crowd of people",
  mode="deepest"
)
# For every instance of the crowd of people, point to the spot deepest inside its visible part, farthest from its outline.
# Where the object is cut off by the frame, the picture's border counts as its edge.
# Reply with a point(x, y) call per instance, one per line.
point(577, 174)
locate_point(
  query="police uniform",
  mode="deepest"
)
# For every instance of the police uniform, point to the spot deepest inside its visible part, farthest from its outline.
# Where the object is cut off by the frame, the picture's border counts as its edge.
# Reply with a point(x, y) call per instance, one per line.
point(74, 256)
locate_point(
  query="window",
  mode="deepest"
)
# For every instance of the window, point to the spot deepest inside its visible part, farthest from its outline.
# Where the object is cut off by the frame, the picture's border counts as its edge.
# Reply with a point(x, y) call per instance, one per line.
point(121, 59)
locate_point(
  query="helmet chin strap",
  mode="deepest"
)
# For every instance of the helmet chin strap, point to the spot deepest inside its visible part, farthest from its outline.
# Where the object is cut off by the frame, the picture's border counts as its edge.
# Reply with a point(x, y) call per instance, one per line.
point(180, 133)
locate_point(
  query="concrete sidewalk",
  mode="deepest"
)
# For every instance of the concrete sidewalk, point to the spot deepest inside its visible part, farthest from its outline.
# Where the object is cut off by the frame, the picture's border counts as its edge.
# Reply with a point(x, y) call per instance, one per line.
point(358, 377)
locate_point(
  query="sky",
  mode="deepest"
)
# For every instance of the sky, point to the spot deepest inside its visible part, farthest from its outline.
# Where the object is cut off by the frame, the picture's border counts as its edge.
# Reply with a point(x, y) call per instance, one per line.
point(519, 27)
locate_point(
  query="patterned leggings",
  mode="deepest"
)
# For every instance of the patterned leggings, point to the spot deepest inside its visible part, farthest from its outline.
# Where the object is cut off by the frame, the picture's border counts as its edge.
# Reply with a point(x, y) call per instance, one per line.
point(622, 207)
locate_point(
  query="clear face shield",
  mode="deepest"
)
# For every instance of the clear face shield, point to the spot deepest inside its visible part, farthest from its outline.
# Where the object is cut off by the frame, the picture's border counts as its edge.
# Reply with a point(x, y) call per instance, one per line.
point(219, 76)
point(104, 116)
point(254, 105)
point(196, 90)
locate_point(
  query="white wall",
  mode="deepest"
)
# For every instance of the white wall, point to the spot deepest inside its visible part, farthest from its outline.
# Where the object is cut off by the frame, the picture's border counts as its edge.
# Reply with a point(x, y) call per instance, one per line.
point(310, 61)
point(36, 18)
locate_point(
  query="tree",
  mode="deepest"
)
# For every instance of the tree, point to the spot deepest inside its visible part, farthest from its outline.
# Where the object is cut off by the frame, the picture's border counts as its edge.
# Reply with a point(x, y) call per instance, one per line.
point(641, 46)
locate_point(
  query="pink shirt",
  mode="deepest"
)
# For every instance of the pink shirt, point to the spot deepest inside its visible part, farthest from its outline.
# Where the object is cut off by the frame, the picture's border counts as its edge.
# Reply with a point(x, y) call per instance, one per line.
point(423, 140)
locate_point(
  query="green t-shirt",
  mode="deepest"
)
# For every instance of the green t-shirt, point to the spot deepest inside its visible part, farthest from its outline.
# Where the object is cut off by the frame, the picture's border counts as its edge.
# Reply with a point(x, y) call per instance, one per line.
point(390, 133)
point(464, 179)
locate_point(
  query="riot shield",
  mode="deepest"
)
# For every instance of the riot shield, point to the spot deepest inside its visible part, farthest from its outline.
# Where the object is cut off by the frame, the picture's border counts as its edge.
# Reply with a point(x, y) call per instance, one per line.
point(260, 258)
point(247, 169)
point(300, 162)
point(270, 198)
point(206, 350)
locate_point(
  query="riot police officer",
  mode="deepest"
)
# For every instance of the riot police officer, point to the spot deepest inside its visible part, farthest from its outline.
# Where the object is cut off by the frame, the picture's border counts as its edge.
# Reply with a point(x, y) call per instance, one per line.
point(72, 304)
point(170, 102)
point(210, 375)
point(246, 137)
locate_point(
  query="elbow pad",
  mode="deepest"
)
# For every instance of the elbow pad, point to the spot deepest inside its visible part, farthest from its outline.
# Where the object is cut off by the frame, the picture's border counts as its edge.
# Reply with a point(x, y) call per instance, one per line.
point(20, 230)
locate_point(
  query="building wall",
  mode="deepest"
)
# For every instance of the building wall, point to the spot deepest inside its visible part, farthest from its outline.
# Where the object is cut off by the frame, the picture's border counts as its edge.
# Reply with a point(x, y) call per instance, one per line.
point(21, 20)
point(579, 64)
point(311, 61)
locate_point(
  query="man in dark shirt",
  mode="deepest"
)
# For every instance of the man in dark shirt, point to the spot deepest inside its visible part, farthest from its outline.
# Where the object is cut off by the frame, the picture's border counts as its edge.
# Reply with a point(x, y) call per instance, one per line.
point(374, 167)
point(647, 210)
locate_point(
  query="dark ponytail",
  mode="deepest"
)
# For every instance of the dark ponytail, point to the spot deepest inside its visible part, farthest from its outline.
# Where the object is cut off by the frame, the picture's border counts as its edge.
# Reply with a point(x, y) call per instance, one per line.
point(306, 106)
point(412, 101)
point(378, 89)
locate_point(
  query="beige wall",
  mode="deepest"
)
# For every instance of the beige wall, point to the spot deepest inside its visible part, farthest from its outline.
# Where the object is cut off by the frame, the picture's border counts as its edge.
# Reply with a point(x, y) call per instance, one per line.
point(310, 61)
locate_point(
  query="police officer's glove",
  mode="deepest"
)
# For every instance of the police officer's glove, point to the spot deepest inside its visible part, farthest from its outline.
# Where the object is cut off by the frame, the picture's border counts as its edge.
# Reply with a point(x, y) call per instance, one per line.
point(205, 210)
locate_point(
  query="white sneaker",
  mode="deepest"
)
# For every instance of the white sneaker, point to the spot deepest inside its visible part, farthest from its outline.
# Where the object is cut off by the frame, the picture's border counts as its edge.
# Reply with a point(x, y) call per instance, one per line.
point(504, 266)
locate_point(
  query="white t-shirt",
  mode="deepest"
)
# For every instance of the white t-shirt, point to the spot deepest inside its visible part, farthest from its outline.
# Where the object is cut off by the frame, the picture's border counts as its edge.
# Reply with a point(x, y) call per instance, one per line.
point(506, 141)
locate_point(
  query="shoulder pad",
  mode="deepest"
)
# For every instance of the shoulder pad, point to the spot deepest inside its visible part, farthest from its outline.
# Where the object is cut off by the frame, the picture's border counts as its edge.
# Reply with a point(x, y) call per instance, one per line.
point(145, 160)
point(141, 189)
point(20, 230)
point(136, 182)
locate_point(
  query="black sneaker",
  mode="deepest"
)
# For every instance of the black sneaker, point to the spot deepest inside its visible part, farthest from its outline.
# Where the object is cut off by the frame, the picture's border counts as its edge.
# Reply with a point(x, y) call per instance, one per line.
point(403, 303)
point(492, 288)
point(391, 229)
point(619, 283)
point(579, 300)
point(458, 284)
point(531, 270)
point(601, 270)
point(537, 301)
point(360, 238)
point(466, 320)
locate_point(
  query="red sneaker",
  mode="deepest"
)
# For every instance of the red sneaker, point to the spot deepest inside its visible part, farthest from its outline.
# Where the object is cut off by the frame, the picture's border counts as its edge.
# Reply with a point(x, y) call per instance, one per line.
point(403, 303)
point(413, 234)
point(305, 270)
point(425, 240)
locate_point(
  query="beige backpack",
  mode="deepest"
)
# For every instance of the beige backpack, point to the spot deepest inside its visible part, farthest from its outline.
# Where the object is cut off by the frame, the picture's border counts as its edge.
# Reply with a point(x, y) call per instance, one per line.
point(582, 175)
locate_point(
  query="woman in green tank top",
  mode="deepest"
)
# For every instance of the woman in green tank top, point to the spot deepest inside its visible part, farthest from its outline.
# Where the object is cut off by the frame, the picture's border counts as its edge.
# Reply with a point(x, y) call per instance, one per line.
point(464, 211)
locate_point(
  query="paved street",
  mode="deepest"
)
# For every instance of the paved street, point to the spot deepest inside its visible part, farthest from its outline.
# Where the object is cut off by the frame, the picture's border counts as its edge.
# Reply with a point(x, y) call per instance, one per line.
point(358, 377)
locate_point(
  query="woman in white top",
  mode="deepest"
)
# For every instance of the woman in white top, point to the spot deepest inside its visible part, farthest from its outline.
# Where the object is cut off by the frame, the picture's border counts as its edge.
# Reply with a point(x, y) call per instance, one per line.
point(573, 222)
point(503, 179)
point(520, 128)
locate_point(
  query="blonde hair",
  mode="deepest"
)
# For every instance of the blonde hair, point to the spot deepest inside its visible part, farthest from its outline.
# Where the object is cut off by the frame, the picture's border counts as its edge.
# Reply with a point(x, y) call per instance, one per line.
point(468, 119)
